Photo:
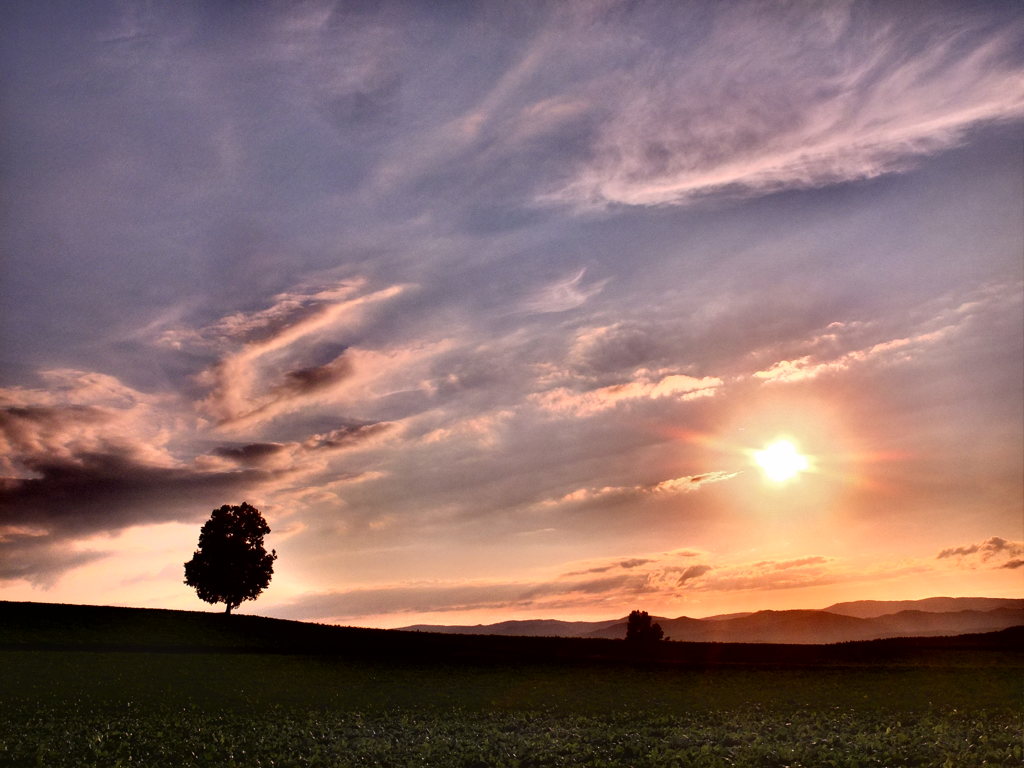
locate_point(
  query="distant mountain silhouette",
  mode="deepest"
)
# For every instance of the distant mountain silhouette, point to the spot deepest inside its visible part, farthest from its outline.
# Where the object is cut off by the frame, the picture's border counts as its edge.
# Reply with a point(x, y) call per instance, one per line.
point(920, 623)
point(911, 618)
point(872, 609)
point(722, 616)
point(763, 627)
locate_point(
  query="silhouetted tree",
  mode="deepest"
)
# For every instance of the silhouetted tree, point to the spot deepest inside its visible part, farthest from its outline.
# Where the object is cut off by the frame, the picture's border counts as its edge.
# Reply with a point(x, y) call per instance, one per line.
point(231, 564)
point(639, 628)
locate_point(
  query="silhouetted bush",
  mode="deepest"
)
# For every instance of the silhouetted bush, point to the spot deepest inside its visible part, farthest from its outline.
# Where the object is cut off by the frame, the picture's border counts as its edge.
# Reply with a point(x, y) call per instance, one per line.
point(639, 628)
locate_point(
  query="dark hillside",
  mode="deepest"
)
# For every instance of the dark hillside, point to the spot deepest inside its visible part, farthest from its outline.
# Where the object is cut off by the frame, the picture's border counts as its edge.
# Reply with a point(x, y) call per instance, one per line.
point(41, 626)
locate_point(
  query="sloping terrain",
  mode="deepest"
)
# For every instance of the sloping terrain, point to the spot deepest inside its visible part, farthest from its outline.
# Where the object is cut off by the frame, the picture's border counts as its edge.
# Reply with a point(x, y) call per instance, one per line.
point(35, 627)
point(94, 687)
point(913, 618)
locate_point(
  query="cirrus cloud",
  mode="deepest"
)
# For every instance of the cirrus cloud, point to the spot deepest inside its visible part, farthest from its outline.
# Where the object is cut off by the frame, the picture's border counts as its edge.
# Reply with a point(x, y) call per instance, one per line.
point(799, 96)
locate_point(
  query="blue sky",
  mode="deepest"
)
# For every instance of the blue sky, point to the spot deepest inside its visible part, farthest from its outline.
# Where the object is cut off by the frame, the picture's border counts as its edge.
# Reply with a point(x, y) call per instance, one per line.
point(487, 305)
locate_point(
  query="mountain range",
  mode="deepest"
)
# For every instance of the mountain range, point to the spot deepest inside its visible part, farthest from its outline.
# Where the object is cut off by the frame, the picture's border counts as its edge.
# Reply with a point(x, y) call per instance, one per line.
point(841, 622)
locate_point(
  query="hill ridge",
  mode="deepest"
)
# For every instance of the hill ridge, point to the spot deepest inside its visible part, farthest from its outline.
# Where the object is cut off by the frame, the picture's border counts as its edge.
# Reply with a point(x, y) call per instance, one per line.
point(43, 627)
point(790, 626)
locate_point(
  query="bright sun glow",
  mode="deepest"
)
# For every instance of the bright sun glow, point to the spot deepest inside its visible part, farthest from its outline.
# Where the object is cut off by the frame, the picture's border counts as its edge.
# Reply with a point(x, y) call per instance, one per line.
point(780, 461)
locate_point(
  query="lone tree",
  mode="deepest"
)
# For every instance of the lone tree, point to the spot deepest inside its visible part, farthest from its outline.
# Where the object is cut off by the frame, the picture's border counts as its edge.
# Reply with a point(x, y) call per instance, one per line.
point(231, 564)
point(639, 628)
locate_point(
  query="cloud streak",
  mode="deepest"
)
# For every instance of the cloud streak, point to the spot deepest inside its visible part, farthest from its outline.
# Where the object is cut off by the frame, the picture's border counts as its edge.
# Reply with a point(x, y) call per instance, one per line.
point(247, 384)
point(797, 97)
point(563, 295)
point(672, 486)
point(644, 385)
point(829, 351)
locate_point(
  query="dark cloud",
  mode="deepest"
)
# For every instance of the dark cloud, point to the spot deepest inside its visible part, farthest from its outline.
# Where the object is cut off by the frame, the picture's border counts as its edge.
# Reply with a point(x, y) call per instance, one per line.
point(253, 454)
point(1012, 564)
point(959, 551)
point(304, 381)
point(15, 420)
point(107, 492)
point(623, 346)
point(693, 572)
point(986, 549)
point(635, 562)
point(597, 569)
point(367, 106)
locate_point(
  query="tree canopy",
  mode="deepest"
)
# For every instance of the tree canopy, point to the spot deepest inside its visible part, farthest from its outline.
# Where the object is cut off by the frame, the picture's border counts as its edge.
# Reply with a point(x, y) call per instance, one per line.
point(231, 564)
point(639, 628)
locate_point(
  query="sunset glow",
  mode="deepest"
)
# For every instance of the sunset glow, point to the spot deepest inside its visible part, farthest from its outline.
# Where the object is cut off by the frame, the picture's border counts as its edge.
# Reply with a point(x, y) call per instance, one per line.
point(780, 461)
point(514, 310)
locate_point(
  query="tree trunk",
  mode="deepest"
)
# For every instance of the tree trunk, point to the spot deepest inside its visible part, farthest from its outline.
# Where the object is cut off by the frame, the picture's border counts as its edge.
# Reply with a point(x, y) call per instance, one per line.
point(228, 609)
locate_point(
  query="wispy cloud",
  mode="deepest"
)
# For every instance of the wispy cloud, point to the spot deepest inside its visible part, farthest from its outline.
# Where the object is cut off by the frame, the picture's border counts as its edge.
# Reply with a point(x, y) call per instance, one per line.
point(843, 346)
point(265, 366)
point(644, 385)
point(797, 97)
point(808, 367)
point(563, 295)
point(675, 485)
point(633, 562)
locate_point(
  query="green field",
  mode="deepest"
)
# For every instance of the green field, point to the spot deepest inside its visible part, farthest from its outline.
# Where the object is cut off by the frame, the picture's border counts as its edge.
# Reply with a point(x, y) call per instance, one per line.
point(217, 698)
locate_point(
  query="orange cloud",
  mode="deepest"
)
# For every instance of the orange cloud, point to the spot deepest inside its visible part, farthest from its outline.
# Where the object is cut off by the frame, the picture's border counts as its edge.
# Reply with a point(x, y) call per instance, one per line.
point(686, 484)
point(808, 367)
point(830, 350)
point(644, 386)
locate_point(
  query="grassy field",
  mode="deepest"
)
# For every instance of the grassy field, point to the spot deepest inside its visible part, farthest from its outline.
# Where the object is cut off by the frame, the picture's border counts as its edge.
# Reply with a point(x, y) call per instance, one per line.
point(199, 698)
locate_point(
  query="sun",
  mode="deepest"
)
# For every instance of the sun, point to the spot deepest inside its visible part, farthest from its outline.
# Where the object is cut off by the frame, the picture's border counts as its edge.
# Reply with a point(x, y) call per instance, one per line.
point(780, 461)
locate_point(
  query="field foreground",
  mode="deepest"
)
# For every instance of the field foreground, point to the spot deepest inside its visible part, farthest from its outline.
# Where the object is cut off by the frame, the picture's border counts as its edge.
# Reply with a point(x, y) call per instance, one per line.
point(71, 696)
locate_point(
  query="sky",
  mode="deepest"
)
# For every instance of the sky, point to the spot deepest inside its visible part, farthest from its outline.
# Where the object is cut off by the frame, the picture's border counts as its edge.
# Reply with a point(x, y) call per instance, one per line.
point(489, 307)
